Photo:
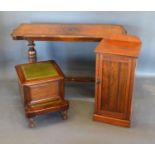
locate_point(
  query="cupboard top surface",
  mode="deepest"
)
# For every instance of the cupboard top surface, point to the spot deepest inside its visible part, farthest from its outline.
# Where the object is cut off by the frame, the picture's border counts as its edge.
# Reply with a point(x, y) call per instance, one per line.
point(125, 45)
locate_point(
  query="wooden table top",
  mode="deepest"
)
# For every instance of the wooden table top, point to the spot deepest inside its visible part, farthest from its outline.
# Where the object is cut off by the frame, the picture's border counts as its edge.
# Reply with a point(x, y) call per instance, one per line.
point(65, 32)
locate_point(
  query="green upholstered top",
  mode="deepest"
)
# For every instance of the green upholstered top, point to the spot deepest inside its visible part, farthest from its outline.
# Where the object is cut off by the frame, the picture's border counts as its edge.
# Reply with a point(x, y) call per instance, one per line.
point(39, 70)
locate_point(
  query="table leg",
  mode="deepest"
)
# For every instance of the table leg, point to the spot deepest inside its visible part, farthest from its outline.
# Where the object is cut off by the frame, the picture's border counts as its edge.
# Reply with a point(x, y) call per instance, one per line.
point(32, 55)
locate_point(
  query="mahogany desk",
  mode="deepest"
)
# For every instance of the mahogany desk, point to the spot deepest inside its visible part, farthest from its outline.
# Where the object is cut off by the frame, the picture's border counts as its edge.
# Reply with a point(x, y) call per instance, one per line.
point(115, 63)
point(64, 32)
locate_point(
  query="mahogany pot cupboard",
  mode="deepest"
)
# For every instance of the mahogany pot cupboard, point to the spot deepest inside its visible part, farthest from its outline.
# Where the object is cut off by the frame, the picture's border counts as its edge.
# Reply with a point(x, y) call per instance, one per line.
point(116, 56)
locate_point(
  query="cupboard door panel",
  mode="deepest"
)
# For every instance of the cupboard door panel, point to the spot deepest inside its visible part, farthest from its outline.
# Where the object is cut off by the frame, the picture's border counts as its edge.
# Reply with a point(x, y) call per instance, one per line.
point(114, 86)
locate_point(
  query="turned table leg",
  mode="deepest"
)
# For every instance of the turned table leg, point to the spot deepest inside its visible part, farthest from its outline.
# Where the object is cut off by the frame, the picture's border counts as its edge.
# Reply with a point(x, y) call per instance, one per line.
point(32, 55)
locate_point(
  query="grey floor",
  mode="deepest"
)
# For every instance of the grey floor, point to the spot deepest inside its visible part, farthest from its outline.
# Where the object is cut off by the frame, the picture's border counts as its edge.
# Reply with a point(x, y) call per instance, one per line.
point(79, 128)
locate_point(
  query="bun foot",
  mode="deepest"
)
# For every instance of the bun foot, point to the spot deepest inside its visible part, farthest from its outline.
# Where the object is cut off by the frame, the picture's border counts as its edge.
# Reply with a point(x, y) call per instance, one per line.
point(31, 123)
point(64, 115)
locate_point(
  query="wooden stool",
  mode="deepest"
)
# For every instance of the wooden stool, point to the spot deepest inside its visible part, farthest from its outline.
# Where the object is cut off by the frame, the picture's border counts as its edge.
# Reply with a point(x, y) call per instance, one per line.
point(42, 89)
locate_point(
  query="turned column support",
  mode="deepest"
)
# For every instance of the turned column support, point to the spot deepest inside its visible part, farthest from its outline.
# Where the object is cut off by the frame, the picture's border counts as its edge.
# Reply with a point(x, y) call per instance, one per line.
point(32, 54)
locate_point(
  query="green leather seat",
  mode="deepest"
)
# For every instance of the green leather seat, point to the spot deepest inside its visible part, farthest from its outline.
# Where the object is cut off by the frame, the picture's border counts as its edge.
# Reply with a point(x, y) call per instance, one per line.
point(34, 71)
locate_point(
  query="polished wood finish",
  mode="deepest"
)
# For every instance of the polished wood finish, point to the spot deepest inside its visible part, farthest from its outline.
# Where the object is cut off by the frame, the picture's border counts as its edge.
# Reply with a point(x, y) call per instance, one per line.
point(65, 32)
point(115, 63)
point(115, 66)
point(32, 57)
point(125, 45)
point(43, 94)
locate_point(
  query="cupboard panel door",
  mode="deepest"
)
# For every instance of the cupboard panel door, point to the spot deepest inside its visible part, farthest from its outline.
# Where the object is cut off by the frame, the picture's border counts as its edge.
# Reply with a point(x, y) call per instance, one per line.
point(115, 85)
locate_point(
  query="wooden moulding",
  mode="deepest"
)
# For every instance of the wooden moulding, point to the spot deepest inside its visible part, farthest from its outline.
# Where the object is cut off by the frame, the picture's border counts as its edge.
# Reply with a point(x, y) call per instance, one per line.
point(110, 120)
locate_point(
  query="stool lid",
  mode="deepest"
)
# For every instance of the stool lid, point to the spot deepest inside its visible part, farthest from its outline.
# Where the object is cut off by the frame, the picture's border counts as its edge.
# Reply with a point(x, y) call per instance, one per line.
point(39, 70)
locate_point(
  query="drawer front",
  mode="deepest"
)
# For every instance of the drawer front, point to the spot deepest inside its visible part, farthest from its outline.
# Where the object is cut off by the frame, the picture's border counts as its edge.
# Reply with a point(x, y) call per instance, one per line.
point(43, 92)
